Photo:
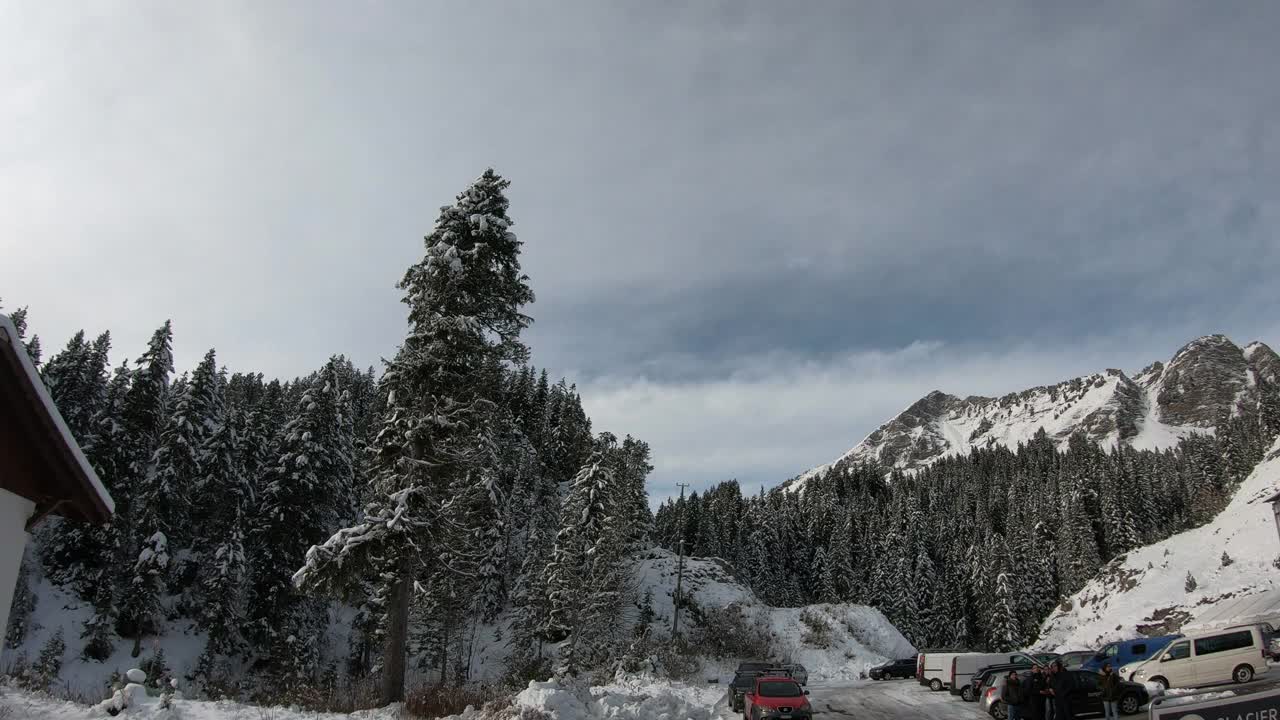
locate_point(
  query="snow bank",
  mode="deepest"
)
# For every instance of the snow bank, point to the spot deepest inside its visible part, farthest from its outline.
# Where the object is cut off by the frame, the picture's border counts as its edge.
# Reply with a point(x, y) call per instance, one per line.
point(32, 706)
point(1144, 591)
point(633, 698)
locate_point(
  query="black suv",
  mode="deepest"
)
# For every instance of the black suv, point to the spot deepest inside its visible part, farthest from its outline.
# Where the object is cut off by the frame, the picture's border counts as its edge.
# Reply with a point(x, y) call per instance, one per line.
point(981, 679)
point(1086, 695)
point(904, 668)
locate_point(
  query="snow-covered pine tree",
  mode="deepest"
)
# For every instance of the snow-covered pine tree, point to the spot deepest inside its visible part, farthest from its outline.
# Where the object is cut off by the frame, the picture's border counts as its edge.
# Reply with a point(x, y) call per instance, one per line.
point(178, 464)
point(464, 302)
point(305, 496)
point(532, 610)
point(1005, 632)
point(224, 492)
point(141, 421)
point(583, 518)
point(77, 382)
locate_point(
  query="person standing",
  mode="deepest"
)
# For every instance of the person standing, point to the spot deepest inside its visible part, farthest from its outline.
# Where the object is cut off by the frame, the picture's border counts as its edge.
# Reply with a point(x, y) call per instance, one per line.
point(1061, 685)
point(1110, 682)
point(1047, 691)
point(1013, 695)
point(1033, 695)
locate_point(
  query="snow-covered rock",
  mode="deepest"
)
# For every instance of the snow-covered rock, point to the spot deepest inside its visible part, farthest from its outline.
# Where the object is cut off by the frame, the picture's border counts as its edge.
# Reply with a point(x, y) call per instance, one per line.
point(1153, 409)
point(1144, 591)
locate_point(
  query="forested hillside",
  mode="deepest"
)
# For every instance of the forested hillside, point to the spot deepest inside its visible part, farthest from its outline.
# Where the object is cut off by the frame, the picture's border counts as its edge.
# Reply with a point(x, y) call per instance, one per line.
point(973, 550)
point(481, 479)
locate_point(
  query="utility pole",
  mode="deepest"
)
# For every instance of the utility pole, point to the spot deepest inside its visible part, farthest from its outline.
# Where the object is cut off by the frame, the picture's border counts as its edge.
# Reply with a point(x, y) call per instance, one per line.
point(675, 621)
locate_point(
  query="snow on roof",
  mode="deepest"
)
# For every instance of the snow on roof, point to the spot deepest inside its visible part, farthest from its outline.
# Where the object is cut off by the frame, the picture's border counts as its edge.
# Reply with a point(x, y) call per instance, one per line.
point(10, 335)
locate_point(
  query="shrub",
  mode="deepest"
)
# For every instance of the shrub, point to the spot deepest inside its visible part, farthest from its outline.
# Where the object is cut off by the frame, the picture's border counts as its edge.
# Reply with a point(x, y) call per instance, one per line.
point(434, 701)
point(818, 630)
point(728, 632)
point(1226, 559)
point(1191, 583)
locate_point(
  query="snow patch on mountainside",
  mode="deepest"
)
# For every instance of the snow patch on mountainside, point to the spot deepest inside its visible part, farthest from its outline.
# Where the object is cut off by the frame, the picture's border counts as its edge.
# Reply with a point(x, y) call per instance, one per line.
point(1144, 591)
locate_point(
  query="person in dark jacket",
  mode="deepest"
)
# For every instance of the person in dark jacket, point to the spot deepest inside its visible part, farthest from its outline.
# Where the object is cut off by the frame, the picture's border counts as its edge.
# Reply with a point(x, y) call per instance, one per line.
point(1061, 686)
point(1046, 690)
point(1033, 695)
point(1013, 695)
point(1110, 684)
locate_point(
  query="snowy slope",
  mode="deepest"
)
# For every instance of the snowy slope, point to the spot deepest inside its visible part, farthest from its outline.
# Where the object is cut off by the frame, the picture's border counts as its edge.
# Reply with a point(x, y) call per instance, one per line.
point(1153, 409)
point(1144, 592)
point(860, 636)
point(60, 610)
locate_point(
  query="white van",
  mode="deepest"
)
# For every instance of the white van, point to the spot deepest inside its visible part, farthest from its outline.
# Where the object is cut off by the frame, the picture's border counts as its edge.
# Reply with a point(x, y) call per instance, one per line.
point(964, 666)
point(937, 670)
point(1237, 654)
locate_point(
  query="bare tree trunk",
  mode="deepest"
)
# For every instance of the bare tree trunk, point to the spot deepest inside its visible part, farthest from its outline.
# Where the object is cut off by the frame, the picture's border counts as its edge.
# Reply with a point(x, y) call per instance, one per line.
point(393, 661)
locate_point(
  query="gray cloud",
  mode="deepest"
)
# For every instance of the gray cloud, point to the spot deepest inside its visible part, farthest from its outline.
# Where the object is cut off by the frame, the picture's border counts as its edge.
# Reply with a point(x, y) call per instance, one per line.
point(703, 188)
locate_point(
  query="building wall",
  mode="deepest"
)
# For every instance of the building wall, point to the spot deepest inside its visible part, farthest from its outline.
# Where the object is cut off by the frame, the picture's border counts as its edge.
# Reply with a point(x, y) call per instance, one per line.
point(14, 511)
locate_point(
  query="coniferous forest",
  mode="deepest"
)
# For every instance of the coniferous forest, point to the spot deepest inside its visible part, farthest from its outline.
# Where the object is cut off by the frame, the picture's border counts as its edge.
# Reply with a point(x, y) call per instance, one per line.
point(452, 485)
point(973, 551)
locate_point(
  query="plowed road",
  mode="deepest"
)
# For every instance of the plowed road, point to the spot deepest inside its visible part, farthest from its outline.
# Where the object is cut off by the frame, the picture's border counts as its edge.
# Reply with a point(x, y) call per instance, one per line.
point(887, 700)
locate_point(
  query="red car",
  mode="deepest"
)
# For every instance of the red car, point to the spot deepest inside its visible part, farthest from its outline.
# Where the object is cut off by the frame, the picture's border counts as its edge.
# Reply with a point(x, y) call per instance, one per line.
point(777, 698)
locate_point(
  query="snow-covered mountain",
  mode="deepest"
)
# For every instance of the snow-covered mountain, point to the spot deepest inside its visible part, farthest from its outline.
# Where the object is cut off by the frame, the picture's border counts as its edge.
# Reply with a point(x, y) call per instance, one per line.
point(1151, 409)
point(1146, 591)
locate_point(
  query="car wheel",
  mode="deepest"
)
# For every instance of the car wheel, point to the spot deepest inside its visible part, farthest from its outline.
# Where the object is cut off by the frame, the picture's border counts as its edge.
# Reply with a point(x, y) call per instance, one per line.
point(1242, 674)
point(935, 684)
point(1164, 684)
point(999, 711)
point(967, 694)
point(1130, 704)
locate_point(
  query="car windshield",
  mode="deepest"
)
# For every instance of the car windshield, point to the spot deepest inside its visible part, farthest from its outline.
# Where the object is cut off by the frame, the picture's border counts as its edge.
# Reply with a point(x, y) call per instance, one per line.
point(779, 688)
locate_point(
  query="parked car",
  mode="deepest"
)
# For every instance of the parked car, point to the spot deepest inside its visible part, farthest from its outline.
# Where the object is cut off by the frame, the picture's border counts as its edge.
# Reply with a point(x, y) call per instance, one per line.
point(1126, 652)
point(963, 667)
point(738, 687)
point(796, 671)
point(1086, 695)
point(1074, 659)
point(775, 697)
point(1236, 654)
point(903, 668)
point(982, 679)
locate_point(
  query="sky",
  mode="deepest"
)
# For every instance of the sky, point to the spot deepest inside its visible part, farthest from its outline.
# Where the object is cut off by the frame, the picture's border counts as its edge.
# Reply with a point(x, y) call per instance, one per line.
point(756, 230)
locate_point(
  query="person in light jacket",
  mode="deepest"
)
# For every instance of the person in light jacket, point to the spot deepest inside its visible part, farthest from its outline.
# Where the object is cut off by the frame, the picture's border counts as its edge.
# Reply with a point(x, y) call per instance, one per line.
point(1110, 683)
point(1013, 695)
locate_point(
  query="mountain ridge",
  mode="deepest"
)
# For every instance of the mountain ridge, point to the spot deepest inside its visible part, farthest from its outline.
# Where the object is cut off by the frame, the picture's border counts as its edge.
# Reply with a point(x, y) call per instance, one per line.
point(1153, 409)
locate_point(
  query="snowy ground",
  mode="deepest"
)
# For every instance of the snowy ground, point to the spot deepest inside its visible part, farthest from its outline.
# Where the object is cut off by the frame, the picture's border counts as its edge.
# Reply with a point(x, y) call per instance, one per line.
point(20, 705)
point(1144, 592)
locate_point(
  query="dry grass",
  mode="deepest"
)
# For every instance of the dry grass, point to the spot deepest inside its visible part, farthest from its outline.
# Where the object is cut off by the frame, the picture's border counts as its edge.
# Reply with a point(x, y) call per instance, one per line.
point(431, 701)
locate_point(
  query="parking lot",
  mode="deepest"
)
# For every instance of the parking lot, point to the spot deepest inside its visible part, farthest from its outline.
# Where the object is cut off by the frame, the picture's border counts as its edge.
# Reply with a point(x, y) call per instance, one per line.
point(887, 700)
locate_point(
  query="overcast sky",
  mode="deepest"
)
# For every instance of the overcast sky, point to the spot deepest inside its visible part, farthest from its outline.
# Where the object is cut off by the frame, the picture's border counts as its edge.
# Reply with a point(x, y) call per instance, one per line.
point(756, 230)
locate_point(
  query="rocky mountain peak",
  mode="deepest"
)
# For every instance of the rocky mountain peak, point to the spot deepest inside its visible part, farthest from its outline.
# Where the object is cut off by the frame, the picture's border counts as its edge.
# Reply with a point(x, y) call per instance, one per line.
point(1204, 379)
point(1163, 403)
